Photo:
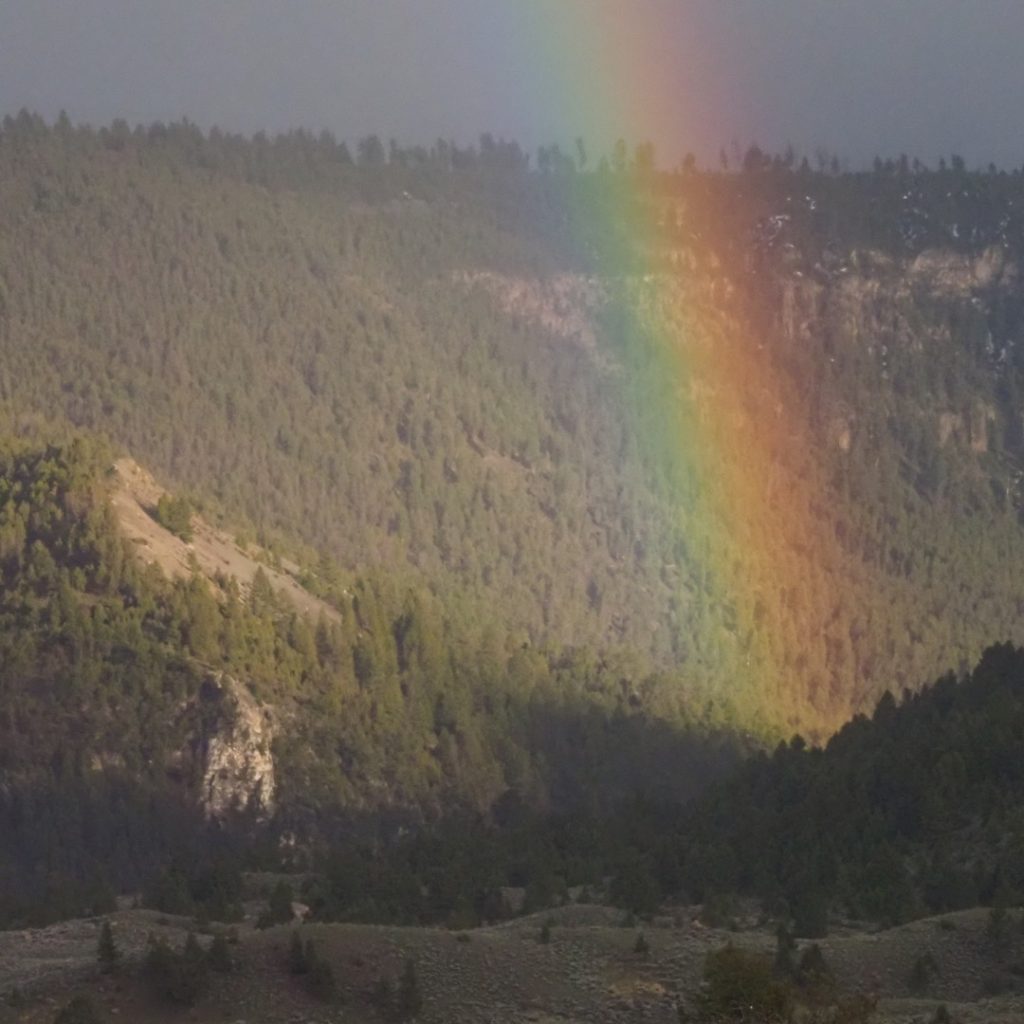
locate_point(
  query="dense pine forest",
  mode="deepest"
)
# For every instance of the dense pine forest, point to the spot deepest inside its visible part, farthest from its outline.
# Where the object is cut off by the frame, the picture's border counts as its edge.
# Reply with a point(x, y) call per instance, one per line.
point(436, 381)
point(447, 364)
point(914, 811)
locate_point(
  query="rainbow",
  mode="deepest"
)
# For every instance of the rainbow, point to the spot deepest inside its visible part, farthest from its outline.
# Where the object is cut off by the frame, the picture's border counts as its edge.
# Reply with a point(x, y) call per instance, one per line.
point(764, 576)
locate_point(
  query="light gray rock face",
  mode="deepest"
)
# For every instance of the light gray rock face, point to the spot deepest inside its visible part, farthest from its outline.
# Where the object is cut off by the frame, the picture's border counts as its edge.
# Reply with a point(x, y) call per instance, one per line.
point(238, 769)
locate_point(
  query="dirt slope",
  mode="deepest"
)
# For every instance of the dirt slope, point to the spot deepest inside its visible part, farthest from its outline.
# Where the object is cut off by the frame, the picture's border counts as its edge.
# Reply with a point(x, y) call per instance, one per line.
point(211, 550)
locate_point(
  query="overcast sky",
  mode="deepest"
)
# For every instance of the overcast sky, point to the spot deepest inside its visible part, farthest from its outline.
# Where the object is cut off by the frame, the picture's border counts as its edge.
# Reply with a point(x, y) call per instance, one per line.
point(928, 77)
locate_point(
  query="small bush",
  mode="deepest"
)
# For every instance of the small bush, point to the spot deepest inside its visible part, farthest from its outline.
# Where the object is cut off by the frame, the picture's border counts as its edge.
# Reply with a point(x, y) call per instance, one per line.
point(383, 994)
point(785, 947)
point(996, 985)
point(410, 1000)
point(321, 981)
point(813, 970)
point(175, 514)
point(178, 978)
point(219, 956)
point(106, 949)
point(740, 985)
point(925, 968)
point(279, 907)
point(297, 962)
point(81, 1010)
point(719, 911)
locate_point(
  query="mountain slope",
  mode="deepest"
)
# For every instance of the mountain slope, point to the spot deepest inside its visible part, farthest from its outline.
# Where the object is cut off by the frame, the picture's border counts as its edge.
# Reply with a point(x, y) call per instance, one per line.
point(444, 368)
point(145, 717)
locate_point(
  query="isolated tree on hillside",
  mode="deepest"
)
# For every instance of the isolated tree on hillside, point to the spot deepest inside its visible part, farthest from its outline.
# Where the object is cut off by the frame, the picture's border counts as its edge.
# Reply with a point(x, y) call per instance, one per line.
point(81, 1010)
point(106, 949)
point(279, 907)
point(297, 962)
point(410, 999)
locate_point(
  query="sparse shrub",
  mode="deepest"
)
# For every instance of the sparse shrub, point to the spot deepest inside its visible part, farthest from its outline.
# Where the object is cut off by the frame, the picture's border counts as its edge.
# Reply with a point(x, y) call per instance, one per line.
point(813, 971)
point(106, 949)
point(279, 907)
point(636, 888)
point(858, 1009)
point(177, 978)
point(924, 970)
point(410, 999)
point(321, 981)
point(297, 962)
point(219, 956)
point(739, 985)
point(463, 915)
point(785, 947)
point(719, 911)
point(81, 1010)
point(175, 514)
point(102, 899)
point(383, 994)
point(996, 984)
point(997, 930)
point(169, 892)
point(810, 915)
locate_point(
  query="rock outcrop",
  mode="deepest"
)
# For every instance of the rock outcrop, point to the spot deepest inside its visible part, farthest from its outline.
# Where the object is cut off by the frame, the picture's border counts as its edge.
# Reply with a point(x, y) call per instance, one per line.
point(234, 750)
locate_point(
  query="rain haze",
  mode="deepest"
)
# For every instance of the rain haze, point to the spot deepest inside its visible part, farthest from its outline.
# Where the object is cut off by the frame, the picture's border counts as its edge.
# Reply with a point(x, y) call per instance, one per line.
point(925, 77)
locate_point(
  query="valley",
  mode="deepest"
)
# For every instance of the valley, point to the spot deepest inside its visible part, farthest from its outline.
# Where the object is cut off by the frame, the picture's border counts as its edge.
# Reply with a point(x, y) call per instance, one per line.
point(429, 528)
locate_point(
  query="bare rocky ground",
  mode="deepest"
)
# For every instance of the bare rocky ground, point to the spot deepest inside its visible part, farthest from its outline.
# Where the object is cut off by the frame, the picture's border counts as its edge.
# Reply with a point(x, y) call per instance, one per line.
point(588, 972)
point(213, 552)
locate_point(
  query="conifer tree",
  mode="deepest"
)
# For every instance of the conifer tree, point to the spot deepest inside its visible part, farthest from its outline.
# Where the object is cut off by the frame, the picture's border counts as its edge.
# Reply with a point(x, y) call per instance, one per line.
point(106, 950)
point(410, 999)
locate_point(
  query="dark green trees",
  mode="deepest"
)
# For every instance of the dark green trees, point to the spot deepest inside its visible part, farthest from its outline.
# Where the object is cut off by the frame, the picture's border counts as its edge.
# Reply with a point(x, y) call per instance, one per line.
point(178, 977)
point(81, 1010)
point(409, 999)
point(279, 906)
point(107, 952)
point(175, 513)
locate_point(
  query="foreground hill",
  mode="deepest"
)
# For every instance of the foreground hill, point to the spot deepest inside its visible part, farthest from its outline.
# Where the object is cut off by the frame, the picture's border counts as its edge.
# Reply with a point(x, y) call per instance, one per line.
point(770, 445)
point(587, 972)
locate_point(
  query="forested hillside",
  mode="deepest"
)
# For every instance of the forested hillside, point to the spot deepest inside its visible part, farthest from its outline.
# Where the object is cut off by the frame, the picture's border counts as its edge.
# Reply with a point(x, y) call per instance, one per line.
point(912, 812)
point(143, 718)
point(915, 810)
point(447, 366)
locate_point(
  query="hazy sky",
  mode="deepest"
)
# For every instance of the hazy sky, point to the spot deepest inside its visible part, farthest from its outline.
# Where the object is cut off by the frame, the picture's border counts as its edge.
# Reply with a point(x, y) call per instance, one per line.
point(928, 77)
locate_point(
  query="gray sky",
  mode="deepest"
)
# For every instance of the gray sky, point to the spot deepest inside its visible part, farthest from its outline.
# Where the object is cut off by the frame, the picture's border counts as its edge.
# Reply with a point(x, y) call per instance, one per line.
point(928, 77)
